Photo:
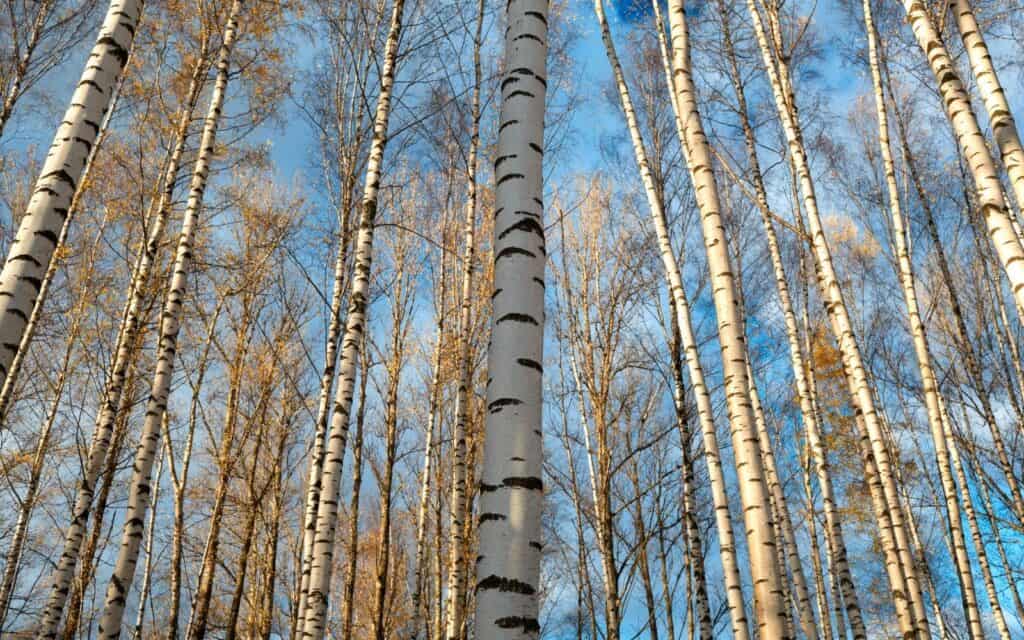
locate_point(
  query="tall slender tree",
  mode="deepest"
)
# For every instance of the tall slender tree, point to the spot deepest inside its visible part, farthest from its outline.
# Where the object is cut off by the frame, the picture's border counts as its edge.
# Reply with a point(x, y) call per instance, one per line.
point(33, 247)
point(314, 618)
point(511, 488)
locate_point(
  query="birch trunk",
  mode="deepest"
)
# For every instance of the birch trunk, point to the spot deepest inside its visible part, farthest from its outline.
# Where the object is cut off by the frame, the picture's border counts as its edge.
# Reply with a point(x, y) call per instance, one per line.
point(37, 236)
point(920, 339)
point(179, 480)
point(769, 606)
point(322, 564)
point(970, 138)
point(425, 478)
point(352, 544)
point(833, 523)
point(113, 401)
point(734, 592)
point(695, 545)
point(316, 463)
point(511, 489)
point(903, 579)
point(7, 391)
point(981, 552)
point(147, 575)
point(14, 91)
point(139, 492)
point(1004, 127)
point(457, 561)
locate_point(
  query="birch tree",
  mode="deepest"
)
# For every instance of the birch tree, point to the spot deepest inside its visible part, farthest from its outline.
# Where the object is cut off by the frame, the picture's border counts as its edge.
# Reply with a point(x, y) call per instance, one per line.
point(36, 241)
point(314, 618)
point(511, 488)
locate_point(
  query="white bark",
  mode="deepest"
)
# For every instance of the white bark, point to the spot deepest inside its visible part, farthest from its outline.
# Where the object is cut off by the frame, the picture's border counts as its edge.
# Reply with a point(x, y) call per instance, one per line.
point(459, 511)
point(705, 412)
point(511, 489)
point(918, 335)
point(37, 236)
point(314, 618)
point(972, 142)
point(113, 400)
point(140, 491)
point(769, 606)
point(905, 588)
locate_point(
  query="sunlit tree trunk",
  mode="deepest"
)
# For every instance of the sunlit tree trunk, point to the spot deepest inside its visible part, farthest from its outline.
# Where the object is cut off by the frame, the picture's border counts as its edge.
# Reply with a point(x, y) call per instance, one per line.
point(511, 488)
point(921, 348)
point(1004, 128)
point(170, 326)
point(458, 507)
point(112, 403)
point(352, 543)
point(971, 140)
point(34, 245)
point(981, 552)
point(734, 592)
point(754, 494)
point(147, 571)
point(314, 618)
point(904, 584)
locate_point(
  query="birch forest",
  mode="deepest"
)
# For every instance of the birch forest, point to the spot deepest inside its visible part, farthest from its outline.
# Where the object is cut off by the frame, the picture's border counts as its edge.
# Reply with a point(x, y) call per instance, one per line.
point(466, 319)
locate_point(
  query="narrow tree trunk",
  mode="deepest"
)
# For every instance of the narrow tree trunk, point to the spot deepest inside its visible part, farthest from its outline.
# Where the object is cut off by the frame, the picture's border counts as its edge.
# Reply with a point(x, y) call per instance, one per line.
point(40, 228)
point(394, 372)
point(314, 618)
point(316, 462)
point(511, 489)
point(352, 544)
point(180, 480)
point(971, 140)
point(139, 493)
point(833, 524)
point(903, 580)
point(695, 545)
point(113, 403)
point(14, 91)
point(754, 494)
point(147, 575)
point(458, 507)
point(981, 552)
point(734, 593)
point(921, 348)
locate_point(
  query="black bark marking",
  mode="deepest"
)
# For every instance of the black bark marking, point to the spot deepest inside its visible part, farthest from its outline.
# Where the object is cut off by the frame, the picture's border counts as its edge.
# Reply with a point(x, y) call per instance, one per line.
point(508, 252)
point(528, 625)
point(532, 483)
point(507, 585)
point(527, 225)
point(501, 403)
point(532, 364)
point(518, 317)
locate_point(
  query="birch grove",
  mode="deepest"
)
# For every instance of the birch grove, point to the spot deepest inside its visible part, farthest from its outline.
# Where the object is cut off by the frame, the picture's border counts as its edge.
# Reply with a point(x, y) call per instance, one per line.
point(471, 320)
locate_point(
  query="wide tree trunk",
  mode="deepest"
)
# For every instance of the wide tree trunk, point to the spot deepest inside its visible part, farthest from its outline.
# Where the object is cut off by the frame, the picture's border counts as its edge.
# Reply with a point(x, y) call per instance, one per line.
point(511, 488)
